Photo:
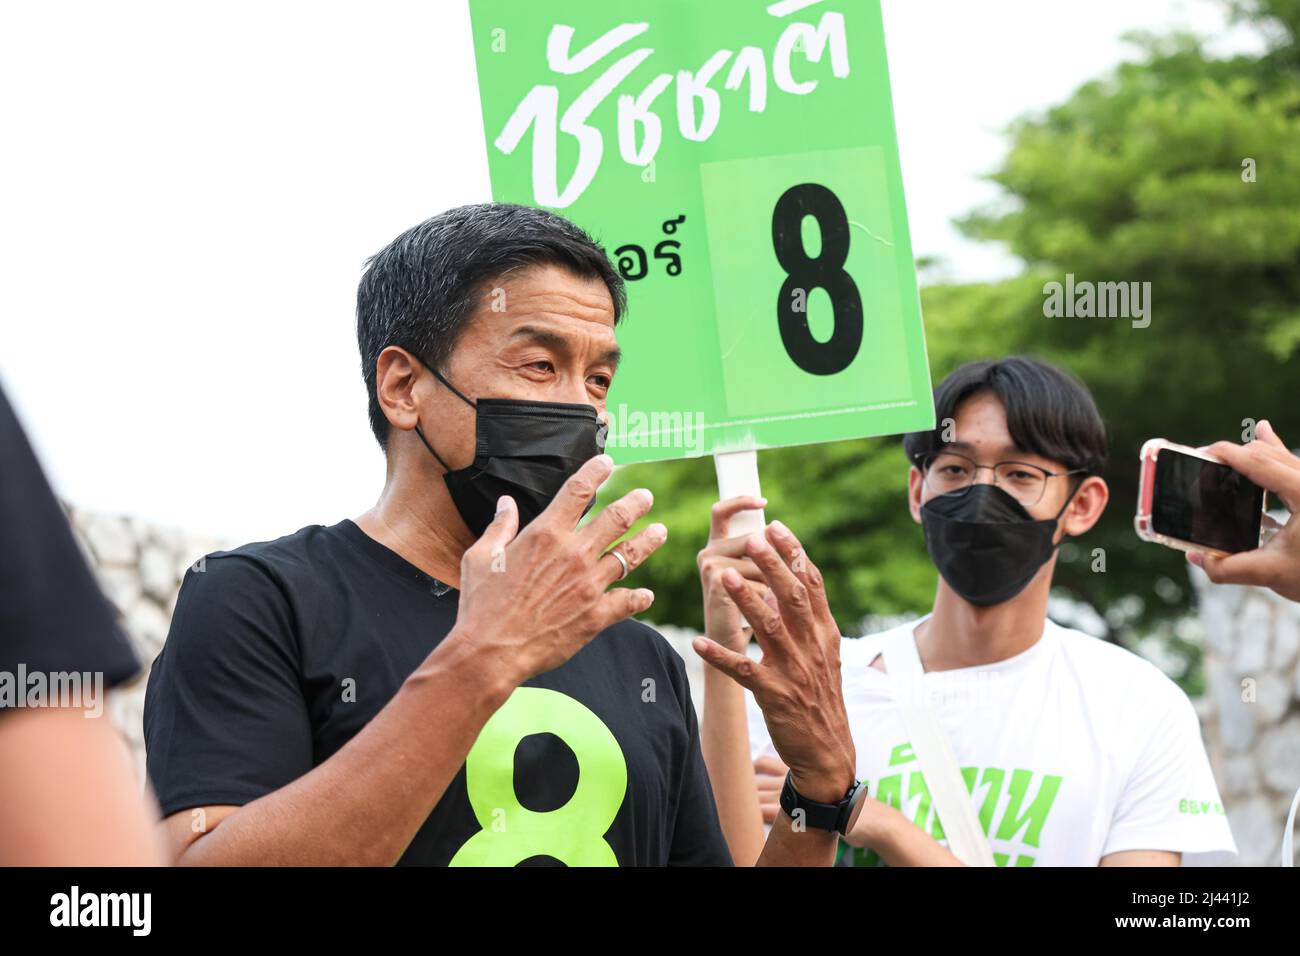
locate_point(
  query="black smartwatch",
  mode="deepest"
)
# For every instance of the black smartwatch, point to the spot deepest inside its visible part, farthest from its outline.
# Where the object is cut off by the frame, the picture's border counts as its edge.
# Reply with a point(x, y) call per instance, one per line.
point(836, 817)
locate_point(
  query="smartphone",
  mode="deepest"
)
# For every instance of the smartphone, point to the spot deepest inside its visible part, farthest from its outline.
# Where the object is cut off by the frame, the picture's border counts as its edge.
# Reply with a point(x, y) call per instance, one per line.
point(1191, 501)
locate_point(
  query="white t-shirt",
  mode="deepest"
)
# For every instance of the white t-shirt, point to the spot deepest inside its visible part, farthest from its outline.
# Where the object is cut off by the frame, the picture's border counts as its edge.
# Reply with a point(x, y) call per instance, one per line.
point(1072, 749)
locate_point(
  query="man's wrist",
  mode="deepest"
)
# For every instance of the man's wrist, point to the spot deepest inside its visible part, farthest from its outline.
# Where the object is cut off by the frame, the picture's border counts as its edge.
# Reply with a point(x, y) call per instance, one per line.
point(828, 786)
point(493, 674)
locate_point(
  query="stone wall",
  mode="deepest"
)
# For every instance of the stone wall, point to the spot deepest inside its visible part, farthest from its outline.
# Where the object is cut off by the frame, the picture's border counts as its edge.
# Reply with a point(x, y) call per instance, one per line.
point(1250, 717)
point(140, 567)
point(1251, 710)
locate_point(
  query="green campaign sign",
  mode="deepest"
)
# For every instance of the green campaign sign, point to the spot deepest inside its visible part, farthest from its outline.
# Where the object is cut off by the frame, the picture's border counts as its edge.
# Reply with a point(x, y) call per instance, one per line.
point(738, 159)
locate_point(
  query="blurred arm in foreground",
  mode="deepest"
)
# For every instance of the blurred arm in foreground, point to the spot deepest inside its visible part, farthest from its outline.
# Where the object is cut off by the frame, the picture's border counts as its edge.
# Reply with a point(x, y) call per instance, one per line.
point(68, 793)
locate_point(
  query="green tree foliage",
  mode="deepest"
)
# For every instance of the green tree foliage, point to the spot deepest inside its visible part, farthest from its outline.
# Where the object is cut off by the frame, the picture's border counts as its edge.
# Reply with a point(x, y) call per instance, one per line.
point(1141, 176)
point(845, 500)
point(1145, 177)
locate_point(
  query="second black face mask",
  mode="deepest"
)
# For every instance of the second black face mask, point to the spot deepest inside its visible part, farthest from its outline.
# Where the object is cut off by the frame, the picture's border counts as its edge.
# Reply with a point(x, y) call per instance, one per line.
point(985, 544)
point(523, 449)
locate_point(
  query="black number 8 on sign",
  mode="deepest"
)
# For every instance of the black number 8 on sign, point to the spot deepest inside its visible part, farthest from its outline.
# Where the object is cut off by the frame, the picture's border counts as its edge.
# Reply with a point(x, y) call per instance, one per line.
point(804, 274)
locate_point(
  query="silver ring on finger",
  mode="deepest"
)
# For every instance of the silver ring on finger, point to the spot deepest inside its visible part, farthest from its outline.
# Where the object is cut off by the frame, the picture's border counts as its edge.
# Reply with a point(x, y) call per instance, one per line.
point(621, 560)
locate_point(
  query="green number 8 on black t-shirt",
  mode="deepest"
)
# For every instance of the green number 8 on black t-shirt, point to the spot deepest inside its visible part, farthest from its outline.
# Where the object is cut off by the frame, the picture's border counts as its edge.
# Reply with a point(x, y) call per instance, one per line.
point(280, 652)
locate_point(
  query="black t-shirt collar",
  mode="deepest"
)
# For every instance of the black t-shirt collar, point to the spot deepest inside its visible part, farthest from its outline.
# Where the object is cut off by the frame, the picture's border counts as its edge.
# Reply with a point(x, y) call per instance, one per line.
point(390, 559)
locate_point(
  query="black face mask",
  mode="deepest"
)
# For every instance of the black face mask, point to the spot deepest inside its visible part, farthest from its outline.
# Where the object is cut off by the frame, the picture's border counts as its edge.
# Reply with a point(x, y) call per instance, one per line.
point(523, 449)
point(985, 544)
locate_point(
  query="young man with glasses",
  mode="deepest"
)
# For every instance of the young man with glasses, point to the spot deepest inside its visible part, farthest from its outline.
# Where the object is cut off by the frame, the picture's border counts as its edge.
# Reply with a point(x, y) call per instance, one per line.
point(1073, 751)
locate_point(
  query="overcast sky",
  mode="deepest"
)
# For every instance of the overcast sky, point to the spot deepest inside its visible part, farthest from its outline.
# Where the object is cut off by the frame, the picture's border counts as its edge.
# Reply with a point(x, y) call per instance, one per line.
point(190, 190)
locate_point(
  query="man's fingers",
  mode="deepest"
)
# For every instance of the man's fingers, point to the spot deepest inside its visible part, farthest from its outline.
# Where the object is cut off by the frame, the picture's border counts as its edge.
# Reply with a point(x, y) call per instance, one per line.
point(728, 547)
point(746, 568)
point(1264, 432)
point(796, 558)
point(501, 531)
point(765, 621)
point(760, 590)
point(1272, 469)
point(618, 604)
point(1259, 567)
point(617, 518)
point(634, 551)
point(1255, 454)
point(723, 511)
point(566, 510)
point(739, 667)
point(791, 594)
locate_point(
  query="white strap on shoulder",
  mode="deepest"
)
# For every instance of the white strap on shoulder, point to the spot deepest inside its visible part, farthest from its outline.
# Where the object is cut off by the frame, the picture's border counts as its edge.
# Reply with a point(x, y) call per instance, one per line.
point(961, 827)
point(1288, 837)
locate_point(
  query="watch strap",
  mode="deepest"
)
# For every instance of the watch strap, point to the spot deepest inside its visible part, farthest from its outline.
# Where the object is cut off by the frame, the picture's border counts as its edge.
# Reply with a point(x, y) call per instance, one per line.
point(834, 817)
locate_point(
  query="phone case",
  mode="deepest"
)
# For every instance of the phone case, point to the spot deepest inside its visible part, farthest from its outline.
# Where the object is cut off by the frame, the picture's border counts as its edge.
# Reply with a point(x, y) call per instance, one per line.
point(1146, 489)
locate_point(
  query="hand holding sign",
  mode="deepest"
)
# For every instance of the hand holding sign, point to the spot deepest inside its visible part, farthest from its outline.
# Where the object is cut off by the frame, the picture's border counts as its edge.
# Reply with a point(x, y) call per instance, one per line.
point(722, 620)
point(797, 684)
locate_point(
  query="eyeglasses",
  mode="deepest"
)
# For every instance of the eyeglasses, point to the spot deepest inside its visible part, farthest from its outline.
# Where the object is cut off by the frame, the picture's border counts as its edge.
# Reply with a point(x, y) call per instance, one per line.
point(948, 473)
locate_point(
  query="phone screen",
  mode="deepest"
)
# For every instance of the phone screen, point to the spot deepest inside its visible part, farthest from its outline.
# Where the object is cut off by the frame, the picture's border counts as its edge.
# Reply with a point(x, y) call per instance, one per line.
point(1205, 502)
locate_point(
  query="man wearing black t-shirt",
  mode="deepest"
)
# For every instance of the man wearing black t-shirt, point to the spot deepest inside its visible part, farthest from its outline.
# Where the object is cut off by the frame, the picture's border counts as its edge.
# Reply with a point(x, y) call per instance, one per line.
point(423, 685)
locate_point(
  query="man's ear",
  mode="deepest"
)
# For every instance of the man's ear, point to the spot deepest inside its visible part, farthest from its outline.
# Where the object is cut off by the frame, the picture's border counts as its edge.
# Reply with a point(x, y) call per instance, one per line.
point(1086, 506)
point(914, 486)
point(397, 381)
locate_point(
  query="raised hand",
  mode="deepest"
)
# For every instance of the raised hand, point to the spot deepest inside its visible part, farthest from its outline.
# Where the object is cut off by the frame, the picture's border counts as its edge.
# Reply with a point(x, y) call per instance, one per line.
point(536, 598)
point(797, 684)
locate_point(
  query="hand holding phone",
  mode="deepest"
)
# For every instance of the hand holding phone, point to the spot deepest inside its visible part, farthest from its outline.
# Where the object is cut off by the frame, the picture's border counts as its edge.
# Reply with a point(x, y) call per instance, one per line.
point(1192, 500)
point(1269, 463)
